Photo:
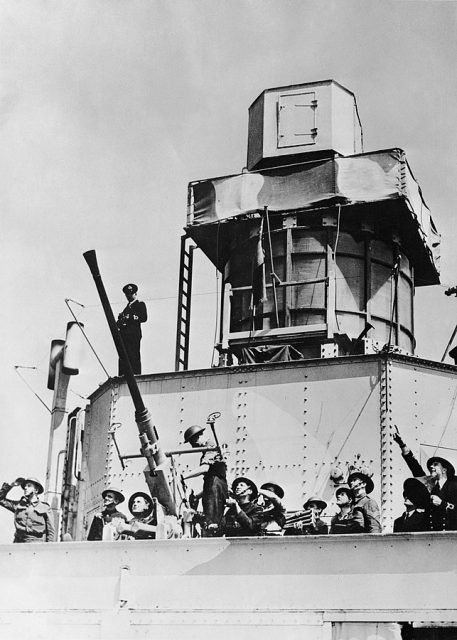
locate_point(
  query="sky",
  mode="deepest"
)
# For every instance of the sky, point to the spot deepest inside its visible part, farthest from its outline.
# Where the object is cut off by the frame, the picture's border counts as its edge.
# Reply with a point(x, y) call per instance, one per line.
point(109, 108)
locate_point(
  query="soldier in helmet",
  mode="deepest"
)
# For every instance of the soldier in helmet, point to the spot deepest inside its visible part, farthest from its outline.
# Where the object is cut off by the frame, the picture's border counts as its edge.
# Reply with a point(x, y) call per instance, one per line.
point(361, 485)
point(214, 471)
point(310, 522)
point(33, 519)
point(243, 514)
point(104, 524)
point(274, 512)
point(129, 325)
point(349, 519)
point(143, 525)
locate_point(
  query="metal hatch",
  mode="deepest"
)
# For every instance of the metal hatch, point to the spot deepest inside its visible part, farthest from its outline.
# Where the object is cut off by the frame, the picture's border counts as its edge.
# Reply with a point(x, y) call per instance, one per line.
point(297, 119)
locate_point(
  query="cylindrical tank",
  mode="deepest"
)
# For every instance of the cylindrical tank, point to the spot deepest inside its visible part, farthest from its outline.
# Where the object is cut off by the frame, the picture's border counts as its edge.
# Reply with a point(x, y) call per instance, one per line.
point(335, 278)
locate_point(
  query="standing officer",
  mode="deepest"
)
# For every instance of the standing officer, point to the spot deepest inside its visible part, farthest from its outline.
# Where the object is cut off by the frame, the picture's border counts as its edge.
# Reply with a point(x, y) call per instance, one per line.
point(129, 325)
point(33, 519)
point(104, 524)
point(214, 470)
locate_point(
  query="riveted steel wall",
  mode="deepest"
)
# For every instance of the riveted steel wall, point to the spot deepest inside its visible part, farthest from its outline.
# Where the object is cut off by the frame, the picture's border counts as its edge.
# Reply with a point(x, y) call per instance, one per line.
point(423, 406)
point(291, 423)
point(287, 423)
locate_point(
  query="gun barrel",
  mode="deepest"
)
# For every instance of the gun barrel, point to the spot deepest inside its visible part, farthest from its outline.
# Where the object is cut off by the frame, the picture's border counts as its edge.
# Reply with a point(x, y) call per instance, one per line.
point(148, 434)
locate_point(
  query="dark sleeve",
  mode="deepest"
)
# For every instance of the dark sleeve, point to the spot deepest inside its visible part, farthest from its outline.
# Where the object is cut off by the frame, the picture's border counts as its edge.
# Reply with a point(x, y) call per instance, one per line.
point(251, 521)
point(280, 517)
point(141, 312)
point(413, 464)
point(358, 521)
point(279, 512)
point(449, 494)
point(50, 530)
point(320, 528)
point(7, 504)
point(355, 524)
point(96, 529)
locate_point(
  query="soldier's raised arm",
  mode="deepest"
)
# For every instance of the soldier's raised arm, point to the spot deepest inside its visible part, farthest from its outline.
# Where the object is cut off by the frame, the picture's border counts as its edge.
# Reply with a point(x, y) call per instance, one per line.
point(408, 456)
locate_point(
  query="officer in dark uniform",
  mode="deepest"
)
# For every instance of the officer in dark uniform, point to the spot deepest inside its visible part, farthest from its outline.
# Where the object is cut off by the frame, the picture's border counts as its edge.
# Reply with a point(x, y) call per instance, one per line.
point(443, 487)
point(416, 516)
point(129, 325)
point(33, 518)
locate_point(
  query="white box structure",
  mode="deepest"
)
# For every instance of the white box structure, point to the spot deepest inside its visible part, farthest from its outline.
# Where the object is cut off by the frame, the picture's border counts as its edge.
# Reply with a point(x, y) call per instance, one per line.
point(318, 118)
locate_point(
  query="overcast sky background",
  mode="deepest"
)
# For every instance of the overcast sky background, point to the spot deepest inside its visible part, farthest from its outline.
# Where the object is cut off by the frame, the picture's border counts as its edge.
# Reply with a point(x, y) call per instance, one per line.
point(108, 108)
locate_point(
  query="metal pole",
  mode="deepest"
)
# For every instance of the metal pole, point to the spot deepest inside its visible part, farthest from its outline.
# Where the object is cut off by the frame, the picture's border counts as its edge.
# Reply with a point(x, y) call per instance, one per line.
point(272, 273)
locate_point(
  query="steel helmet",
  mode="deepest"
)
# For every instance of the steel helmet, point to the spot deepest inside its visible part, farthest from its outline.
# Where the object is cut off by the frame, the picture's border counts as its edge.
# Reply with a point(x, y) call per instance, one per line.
point(192, 431)
point(117, 492)
point(34, 481)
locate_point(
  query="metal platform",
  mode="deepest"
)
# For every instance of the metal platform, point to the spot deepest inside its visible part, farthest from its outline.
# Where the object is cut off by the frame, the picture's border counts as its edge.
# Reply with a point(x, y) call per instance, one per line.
point(299, 587)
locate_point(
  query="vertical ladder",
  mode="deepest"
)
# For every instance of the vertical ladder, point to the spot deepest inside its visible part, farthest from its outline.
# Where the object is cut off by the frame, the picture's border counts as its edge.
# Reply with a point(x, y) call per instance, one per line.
point(184, 304)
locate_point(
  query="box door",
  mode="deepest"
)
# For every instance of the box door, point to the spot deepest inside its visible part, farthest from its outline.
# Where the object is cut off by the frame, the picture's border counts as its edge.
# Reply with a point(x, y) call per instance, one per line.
point(297, 119)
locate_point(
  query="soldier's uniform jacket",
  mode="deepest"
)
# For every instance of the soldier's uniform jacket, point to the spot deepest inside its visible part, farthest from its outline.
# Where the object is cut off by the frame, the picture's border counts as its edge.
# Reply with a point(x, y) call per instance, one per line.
point(246, 523)
point(33, 520)
point(216, 462)
point(352, 522)
point(371, 514)
point(416, 520)
point(130, 319)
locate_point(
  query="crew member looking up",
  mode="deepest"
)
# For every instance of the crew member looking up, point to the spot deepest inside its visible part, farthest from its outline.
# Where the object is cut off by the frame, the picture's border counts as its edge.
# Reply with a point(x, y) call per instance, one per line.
point(274, 512)
point(214, 471)
point(349, 519)
point(143, 525)
point(104, 524)
point(129, 325)
point(33, 519)
point(443, 498)
point(243, 514)
point(361, 485)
